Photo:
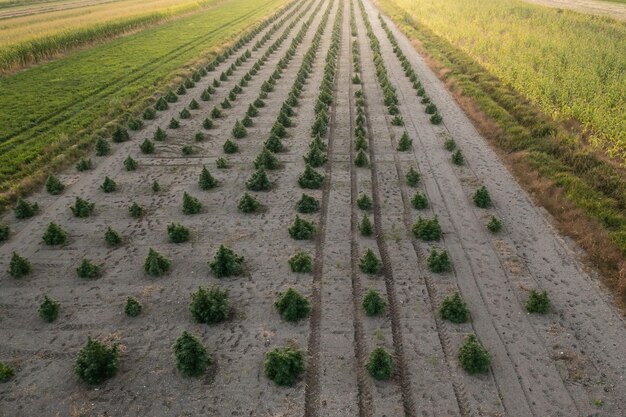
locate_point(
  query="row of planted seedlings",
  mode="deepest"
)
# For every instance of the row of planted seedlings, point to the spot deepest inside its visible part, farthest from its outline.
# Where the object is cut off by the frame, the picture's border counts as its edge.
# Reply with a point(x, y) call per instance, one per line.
point(97, 361)
point(538, 301)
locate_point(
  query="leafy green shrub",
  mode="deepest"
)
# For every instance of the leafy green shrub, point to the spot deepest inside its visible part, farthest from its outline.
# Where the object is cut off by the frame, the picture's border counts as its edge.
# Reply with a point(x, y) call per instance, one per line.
point(307, 204)
point(25, 209)
point(438, 261)
point(419, 201)
point(364, 202)
point(258, 103)
point(135, 210)
point(198, 136)
point(54, 235)
point(132, 307)
point(473, 357)
point(149, 113)
point(130, 164)
point(187, 150)
point(19, 267)
point(397, 120)
point(361, 159)
point(135, 124)
point(292, 305)
point(226, 263)
point(247, 121)
point(301, 229)
point(373, 303)
point(266, 159)
point(108, 186)
point(436, 119)
point(252, 111)
point(301, 262)
point(54, 186)
point(248, 204)
point(96, 362)
point(160, 135)
point(181, 90)
point(206, 180)
point(454, 309)
point(84, 165)
point(222, 163)
point(274, 144)
point(147, 147)
point(449, 144)
point(5, 231)
point(430, 108)
point(207, 124)
point(427, 229)
point(174, 124)
point(177, 233)
point(412, 177)
point(160, 105)
point(216, 113)
point(156, 187)
point(6, 372)
point(156, 264)
point(279, 130)
point(82, 208)
point(120, 134)
point(284, 365)
point(366, 227)
point(369, 263)
point(103, 147)
point(226, 104)
point(191, 205)
point(457, 158)
point(405, 142)
point(49, 309)
point(310, 178)
point(380, 364)
point(88, 270)
point(482, 198)
point(494, 225)
point(170, 97)
point(230, 146)
point(184, 114)
point(258, 181)
point(538, 302)
point(316, 157)
point(111, 237)
point(193, 105)
point(210, 305)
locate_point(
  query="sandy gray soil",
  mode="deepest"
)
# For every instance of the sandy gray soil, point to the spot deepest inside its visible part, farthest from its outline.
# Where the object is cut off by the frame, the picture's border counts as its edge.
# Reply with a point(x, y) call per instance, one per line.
point(559, 364)
point(598, 7)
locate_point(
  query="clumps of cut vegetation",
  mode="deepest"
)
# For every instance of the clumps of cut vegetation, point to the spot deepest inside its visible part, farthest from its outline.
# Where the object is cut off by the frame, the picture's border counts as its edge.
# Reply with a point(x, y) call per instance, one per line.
point(54, 235)
point(494, 225)
point(307, 204)
point(405, 142)
point(230, 147)
point(222, 163)
point(366, 227)
point(147, 147)
point(457, 158)
point(454, 309)
point(482, 198)
point(292, 306)
point(49, 309)
point(206, 180)
point(301, 262)
point(130, 164)
point(135, 210)
point(310, 178)
point(380, 364)
point(473, 357)
point(210, 305)
point(6, 372)
point(96, 362)
point(266, 159)
point(369, 263)
point(419, 201)
point(103, 147)
point(156, 264)
point(111, 237)
point(361, 159)
point(538, 302)
point(84, 165)
point(439, 261)
point(364, 202)
point(191, 205)
point(177, 233)
point(412, 177)
point(19, 267)
point(192, 358)
point(248, 204)
point(258, 181)
point(132, 307)
point(54, 186)
point(24, 209)
point(284, 365)
point(427, 229)
point(88, 270)
point(226, 263)
point(302, 229)
point(120, 134)
point(108, 186)
point(373, 303)
point(82, 208)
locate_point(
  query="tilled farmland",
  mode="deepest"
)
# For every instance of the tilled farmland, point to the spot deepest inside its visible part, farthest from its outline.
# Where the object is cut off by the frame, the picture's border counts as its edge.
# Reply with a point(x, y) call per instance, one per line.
point(321, 178)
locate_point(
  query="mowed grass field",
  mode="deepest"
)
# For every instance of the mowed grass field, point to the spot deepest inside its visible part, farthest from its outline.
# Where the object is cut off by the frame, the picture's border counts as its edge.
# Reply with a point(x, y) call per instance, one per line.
point(32, 32)
point(572, 65)
point(51, 109)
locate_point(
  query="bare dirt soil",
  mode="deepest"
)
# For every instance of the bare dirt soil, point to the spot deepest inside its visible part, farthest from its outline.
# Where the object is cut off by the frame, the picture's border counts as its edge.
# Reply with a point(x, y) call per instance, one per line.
point(569, 362)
